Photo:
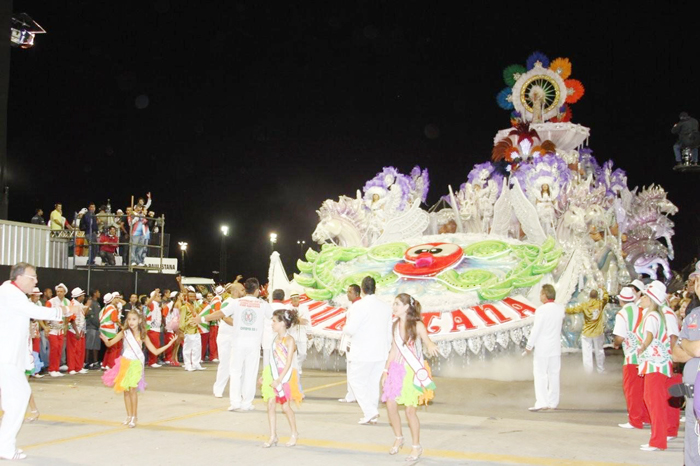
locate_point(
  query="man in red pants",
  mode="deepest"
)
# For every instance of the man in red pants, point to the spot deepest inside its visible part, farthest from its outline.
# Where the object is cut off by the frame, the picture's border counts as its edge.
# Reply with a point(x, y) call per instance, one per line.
point(674, 410)
point(213, 306)
point(627, 321)
point(109, 327)
point(154, 320)
point(75, 346)
point(57, 330)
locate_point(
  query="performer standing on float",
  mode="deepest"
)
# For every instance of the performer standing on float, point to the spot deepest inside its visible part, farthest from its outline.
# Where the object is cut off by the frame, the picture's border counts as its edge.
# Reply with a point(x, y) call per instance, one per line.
point(545, 339)
point(248, 314)
point(353, 294)
point(15, 312)
point(406, 378)
point(369, 325)
point(627, 321)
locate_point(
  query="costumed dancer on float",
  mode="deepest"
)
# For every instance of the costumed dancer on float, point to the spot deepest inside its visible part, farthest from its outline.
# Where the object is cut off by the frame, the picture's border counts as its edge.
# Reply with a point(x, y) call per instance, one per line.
point(279, 383)
point(127, 374)
point(369, 326)
point(545, 339)
point(109, 327)
point(154, 319)
point(15, 313)
point(248, 314)
point(627, 321)
point(406, 379)
point(655, 365)
point(57, 331)
point(592, 337)
point(225, 341)
point(353, 294)
point(75, 346)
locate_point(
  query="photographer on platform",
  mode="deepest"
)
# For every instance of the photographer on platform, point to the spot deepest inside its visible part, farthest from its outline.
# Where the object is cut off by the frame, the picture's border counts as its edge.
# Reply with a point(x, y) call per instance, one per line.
point(686, 129)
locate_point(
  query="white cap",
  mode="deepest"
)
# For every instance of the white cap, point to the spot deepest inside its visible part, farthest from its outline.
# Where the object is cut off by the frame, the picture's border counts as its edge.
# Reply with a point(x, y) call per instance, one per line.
point(61, 285)
point(219, 290)
point(108, 298)
point(36, 291)
point(657, 292)
point(173, 294)
point(639, 284)
point(153, 293)
point(116, 294)
point(626, 294)
point(83, 211)
point(191, 288)
point(76, 292)
point(198, 295)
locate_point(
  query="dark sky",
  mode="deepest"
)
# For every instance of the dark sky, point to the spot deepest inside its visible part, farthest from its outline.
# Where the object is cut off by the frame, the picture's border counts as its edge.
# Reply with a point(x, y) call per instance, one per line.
point(258, 111)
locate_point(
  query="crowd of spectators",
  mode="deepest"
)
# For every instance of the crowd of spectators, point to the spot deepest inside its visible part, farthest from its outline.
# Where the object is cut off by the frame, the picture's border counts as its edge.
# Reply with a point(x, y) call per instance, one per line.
point(100, 233)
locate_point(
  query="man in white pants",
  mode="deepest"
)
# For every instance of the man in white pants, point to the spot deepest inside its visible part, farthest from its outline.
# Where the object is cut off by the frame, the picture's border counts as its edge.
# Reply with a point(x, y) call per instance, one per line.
point(248, 314)
point(15, 312)
point(224, 341)
point(353, 294)
point(592, 337)
point(545, 338)
point(369, 325)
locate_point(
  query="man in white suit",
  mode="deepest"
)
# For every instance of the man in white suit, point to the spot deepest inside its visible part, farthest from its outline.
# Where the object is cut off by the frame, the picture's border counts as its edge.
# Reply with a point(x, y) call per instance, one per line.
point(369, 325)
point(545, 338)
point(15, 312)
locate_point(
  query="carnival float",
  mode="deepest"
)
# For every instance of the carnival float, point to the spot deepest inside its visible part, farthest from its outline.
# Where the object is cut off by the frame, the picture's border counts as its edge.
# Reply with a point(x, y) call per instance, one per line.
point(544, 209)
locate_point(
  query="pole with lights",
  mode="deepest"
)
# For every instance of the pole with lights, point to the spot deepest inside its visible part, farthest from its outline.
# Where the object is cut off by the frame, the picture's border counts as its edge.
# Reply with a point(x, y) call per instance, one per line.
point(183, 249)
point(222, 259)
point(273, 240)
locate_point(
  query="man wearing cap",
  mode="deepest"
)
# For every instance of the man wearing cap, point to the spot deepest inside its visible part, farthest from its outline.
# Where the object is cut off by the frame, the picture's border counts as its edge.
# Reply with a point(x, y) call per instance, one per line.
point(627, 321)
point(192, 346)
point(248, 314)
point(545, 339)
point(225, 341)
point(687, 350)
point(109, 327)
point(75, 347)
point(592, 337)
point(369, 326)
point(57, 330)
point(154, 318)
point(15, 313)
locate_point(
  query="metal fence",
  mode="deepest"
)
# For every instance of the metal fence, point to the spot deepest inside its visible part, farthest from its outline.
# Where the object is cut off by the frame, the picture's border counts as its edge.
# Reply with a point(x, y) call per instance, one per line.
point(27, 242)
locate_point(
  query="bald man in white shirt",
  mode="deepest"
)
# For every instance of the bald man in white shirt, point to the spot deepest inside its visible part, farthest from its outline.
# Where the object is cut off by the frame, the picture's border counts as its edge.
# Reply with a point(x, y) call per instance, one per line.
point(545, 339)
point(15, 312)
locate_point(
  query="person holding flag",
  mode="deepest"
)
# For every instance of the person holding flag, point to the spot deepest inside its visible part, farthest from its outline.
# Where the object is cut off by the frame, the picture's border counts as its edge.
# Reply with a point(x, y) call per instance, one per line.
point(406, 379)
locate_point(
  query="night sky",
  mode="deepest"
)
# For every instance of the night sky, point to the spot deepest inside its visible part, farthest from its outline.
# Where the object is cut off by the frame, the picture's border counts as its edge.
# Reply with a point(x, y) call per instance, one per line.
point(253, 113)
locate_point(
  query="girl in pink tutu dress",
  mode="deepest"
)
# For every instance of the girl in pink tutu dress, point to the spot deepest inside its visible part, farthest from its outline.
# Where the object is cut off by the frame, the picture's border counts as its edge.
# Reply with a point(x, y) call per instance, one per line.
point(280, 378)
point(407, 380)
point(127, 373)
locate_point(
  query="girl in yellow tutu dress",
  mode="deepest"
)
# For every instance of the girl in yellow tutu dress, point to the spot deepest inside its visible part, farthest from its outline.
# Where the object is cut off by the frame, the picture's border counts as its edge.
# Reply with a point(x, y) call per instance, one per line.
point(280, 378)
point(407, 379)
point(127, 374)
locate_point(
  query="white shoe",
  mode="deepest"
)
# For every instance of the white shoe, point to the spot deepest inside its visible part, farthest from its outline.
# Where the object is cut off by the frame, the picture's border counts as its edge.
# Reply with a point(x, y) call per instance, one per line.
point(248, 408)
point(55, 374)
point(668, 439)
point(534, 409)
point(83, 371)
point(72, 373)
point(646, 447)
point(104, 368)
point(155, 365)
point(38, 376)
point(345, 400)
point(199, 368)
point(63, 368)
point(214, 360)
point(626, 425)
point(682, 419)
point(234, 408)
point(218, 396)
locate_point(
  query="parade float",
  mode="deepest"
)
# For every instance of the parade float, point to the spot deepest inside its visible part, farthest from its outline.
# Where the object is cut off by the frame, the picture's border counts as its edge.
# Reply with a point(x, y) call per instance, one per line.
point(542, 210)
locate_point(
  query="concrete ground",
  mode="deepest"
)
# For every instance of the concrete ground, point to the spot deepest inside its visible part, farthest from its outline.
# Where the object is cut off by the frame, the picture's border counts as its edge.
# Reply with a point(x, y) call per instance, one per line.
point(472, 421)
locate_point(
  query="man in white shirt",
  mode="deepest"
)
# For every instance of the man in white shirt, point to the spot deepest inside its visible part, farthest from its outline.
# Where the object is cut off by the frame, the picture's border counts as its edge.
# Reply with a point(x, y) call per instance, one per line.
point(369, 325)
point(248, 315)
point(299, 331)
point(545, 338)
point(15, 312)
point(224, 341)
point(353, 294)
point(75, 345)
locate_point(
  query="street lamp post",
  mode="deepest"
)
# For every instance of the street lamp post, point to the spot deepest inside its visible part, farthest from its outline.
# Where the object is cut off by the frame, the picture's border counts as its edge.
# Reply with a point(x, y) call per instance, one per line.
point(301, 247)
point(273, 240)
point(183, 249)
point(222, 261)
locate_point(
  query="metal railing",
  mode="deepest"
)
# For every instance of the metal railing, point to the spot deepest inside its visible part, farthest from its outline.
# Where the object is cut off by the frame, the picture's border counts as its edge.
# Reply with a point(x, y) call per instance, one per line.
point(27, 242)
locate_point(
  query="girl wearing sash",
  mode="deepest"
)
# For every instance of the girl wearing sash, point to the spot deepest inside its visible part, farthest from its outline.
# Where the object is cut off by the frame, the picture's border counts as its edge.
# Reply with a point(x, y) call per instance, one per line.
point(406, 379)
point(127, 373)
point(655, 364)
point(280, 379)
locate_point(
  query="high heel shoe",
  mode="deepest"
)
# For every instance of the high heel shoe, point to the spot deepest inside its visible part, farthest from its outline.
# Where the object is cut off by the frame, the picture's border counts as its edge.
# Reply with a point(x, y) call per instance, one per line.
point(34, 416)
point(292, 440)
point(132, 423)
point(396, 448)
point(416, 456)
point(127, 421)
point(270, 443)
point(372, 421)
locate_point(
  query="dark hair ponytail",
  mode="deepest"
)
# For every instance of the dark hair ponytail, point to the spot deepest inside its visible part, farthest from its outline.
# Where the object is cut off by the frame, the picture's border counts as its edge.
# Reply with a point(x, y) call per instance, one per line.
point(288, 316)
